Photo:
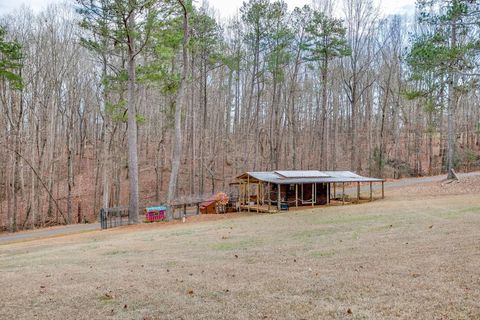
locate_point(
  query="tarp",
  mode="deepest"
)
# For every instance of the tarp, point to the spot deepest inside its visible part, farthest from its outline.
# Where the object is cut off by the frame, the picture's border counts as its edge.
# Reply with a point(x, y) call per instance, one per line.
point(159, 208)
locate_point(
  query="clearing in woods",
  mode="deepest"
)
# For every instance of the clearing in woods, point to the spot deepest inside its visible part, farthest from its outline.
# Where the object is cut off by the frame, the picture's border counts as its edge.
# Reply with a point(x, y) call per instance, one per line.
point(414, 255)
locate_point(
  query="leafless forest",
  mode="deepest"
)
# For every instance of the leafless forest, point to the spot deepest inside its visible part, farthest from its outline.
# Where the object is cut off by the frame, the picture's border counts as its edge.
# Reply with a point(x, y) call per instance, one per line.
point(318, 87)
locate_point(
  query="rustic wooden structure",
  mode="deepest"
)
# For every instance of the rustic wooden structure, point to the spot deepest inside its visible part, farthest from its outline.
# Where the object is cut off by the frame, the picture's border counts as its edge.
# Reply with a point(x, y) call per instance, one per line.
point(280, 190)
point(216, 203)
point(209, 206)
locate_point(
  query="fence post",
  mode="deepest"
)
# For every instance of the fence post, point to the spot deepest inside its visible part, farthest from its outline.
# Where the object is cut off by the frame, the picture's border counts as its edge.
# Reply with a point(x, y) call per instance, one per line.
point(102, 218)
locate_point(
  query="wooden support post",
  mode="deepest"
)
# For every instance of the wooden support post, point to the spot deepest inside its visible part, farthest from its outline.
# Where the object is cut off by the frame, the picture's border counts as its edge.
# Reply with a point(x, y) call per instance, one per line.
point(371, 197)
point(334, 190)
point(240, 195)
point(263, 193)
point(296, 195)
point(383, 191)
point(269, 197)
point(258, 197)
point(278, 198)
point(198, 209)
point(264, 199)
point(343, 193)
point(313, 194)
point(302, 194)
point(358, 192)
point(248, 193)
point(244, 193)
point(262, 189)
point(328, 193)
point(241, 192)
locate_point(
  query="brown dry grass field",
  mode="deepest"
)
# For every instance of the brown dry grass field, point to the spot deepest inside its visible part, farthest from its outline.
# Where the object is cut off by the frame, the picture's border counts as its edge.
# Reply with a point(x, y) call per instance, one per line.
point(413, 255)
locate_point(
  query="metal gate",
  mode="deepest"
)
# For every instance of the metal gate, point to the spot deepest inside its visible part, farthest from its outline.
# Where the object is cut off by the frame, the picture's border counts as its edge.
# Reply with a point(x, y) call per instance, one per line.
point(113, 217)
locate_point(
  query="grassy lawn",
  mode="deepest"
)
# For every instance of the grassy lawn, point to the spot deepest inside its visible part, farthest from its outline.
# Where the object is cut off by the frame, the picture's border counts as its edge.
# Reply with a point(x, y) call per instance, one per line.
point(405, 257)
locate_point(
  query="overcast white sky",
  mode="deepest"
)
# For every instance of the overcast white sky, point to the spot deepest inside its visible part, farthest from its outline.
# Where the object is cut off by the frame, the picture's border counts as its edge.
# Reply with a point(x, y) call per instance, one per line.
point(224, 8)
point(229, 7)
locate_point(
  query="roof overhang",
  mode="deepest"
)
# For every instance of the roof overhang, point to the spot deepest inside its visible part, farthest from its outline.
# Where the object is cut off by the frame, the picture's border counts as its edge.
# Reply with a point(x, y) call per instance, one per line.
point(302, 177)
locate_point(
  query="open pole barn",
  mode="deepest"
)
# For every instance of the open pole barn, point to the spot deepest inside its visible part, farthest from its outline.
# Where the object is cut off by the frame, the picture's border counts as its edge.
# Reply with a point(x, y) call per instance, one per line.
point(272, 191)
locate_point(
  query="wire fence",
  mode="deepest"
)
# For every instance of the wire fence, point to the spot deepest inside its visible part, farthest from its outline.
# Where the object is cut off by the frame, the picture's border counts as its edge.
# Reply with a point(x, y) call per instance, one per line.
point(113, 217)
point(118, 216)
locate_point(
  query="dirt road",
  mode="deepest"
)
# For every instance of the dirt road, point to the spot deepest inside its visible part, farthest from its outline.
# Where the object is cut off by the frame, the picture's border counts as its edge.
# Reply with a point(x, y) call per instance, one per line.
point(48, 232)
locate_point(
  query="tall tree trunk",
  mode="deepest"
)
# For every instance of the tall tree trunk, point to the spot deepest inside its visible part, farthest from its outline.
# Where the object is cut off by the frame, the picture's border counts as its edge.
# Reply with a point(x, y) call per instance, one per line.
point(69, 178)
point(324, 155)
point(132, 127)
point(452, 103)
point(179, 101)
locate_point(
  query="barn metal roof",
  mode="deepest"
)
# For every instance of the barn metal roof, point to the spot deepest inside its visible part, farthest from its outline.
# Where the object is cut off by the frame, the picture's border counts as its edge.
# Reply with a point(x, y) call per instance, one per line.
point(301, 174)
point(309, 176)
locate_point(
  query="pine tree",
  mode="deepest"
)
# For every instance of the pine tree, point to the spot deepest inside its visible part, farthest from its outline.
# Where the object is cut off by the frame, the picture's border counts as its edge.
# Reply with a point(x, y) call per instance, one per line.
point(326, 41)
point(128, 24)
point(10, 60)
point(448, 49)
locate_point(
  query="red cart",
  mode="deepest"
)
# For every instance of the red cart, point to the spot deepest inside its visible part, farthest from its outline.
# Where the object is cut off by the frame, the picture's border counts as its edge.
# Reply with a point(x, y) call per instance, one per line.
point(155, 213)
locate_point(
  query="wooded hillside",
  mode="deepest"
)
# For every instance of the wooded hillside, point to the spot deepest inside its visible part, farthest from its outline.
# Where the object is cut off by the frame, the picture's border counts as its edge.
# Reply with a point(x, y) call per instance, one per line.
point(316, 87)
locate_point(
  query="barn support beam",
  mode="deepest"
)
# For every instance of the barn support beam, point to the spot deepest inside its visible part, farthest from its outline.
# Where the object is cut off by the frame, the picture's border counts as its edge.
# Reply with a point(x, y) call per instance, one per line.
point(296, 195)
point(303, 199)
point(371, 196)
point(240, 196)
point(258, 196)
point(244, 192)
point(343, 193)
point(383, 190)
point(358, 192)
point(248, 193)
point(262, 189)
point(278, 198)
point(269, 196)
point(329, 187)
point(328, 193)
point(313, 194)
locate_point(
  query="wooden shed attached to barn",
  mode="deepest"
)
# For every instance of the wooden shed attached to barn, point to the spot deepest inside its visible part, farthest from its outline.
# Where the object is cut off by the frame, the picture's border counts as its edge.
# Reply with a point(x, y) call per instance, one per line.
point(271, 191)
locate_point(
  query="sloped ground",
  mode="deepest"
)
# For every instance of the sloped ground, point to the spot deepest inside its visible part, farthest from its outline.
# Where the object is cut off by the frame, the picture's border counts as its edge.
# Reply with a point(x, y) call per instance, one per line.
point(424, 186)
point(466, 184)
point(414, 255)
